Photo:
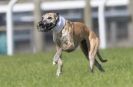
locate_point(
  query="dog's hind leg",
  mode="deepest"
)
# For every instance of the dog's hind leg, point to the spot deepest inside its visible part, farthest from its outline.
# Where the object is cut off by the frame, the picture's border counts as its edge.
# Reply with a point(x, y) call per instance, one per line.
point(84, 48)
point(92, 52)
point(94, 44)
point(88, 52)
point(99, 66)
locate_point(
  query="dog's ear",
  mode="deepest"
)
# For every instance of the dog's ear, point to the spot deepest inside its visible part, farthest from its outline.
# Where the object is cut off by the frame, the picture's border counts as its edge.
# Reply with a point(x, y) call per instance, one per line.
point(57, 17)
point(57, 14)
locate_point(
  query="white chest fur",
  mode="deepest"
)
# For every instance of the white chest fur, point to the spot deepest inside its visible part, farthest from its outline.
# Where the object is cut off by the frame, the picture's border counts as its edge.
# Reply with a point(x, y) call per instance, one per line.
point(64, 39)
point(59, 27)
point(62, 35)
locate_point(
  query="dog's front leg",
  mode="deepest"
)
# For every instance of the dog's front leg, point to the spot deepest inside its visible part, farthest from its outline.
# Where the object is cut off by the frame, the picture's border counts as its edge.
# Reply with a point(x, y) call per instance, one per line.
point(59, 69)
point(57, 60)
point(57, 55)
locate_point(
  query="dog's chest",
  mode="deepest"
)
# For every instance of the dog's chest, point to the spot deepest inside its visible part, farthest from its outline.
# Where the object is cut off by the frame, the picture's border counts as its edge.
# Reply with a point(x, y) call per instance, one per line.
point(64, 39)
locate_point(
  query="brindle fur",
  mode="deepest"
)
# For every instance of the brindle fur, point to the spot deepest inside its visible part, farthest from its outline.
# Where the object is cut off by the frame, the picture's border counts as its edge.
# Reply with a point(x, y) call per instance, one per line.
point(72, 35)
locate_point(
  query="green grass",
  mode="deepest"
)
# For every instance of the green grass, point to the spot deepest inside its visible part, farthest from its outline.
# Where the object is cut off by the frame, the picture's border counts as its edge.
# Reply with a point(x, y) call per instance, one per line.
point(36, 70)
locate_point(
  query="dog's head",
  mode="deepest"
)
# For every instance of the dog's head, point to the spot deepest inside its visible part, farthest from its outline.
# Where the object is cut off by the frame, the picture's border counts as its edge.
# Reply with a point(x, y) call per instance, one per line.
point(48, 22)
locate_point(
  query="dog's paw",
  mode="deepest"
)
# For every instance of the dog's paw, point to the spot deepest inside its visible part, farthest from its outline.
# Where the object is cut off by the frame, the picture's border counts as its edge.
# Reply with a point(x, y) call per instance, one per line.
point(58, 74)
point(54, 63)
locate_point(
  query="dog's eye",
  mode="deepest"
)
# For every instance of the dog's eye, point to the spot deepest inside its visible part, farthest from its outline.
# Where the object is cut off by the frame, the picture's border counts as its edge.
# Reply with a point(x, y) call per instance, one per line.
point(49, 17)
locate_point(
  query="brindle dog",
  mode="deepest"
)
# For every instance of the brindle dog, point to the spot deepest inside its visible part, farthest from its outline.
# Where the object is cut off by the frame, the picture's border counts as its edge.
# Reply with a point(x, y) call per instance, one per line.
point(68, 35)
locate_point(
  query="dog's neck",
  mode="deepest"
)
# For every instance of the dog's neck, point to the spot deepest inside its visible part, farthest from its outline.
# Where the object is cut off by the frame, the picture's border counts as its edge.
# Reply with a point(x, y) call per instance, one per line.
point(60, 25)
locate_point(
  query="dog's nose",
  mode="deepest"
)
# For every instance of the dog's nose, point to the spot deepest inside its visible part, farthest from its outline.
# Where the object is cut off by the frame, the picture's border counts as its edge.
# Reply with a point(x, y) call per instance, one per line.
point(44, 22)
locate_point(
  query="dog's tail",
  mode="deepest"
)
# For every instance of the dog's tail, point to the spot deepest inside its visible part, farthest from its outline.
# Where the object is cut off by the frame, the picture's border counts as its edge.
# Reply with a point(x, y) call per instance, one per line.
point(100, 57)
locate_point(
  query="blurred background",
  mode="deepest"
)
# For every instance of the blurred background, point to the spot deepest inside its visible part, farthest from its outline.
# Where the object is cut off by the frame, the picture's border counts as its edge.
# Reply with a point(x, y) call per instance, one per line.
point(116, 18)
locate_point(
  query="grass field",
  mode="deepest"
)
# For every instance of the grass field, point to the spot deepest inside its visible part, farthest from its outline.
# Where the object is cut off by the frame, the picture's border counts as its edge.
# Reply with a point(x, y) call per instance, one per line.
point(36, 70)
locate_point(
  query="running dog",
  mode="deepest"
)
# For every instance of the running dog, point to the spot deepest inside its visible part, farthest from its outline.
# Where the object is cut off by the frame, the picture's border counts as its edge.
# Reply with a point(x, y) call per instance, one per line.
point(68, 36)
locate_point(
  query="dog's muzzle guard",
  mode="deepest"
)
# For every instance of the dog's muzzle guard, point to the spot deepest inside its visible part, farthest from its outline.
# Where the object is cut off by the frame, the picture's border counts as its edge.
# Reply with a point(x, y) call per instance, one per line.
point(56, 27)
